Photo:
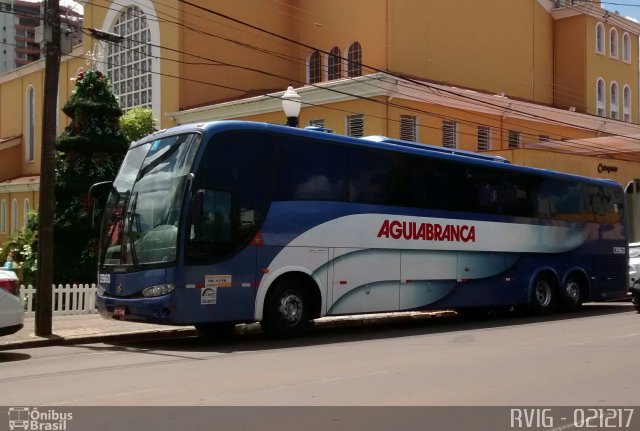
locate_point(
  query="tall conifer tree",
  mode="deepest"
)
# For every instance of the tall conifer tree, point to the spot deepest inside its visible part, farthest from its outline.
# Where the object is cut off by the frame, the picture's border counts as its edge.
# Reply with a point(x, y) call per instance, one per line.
point(89, 151)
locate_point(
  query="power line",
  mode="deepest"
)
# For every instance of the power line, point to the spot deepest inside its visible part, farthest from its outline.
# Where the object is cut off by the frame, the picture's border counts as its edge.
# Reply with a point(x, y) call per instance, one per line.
point(454, 96)
point(402, 107)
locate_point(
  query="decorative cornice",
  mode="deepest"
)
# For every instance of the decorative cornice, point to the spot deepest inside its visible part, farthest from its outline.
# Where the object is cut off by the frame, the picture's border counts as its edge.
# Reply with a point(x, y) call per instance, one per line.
point(23, 184)
point(320, 94)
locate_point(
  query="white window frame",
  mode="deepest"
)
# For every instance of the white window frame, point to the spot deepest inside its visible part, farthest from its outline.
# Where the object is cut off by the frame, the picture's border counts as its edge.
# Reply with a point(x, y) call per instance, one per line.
point(3, 216)
point(409, 128)
point(14, 216)
point(449, 134)
point(334, 59)
point(626, 47)
point(309, 68)
point(27, 208)
point(613, 43)
point(357, 61)
point(484, 138)
point(626, 103)
point(614, 102)
point(601, 102)
point(319, 122)
point(353, 129)
point(30, 125)
point(600, 39)
point(153, 24)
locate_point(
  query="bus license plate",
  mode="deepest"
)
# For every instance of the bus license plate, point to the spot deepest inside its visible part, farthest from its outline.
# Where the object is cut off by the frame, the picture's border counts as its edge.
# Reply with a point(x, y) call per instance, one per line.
point(119, 311)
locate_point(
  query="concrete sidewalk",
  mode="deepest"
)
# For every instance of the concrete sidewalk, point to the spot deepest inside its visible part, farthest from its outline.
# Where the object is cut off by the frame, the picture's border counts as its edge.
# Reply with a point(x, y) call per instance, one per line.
point(91, 328)
point(87, 328)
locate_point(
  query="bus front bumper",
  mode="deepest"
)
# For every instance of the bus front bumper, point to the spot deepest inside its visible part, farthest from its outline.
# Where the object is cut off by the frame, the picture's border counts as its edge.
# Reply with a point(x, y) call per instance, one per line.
point(160, 310)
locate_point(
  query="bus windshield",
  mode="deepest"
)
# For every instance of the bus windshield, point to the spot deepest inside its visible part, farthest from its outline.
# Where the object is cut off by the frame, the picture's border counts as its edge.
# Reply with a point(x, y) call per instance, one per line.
point(140, 224)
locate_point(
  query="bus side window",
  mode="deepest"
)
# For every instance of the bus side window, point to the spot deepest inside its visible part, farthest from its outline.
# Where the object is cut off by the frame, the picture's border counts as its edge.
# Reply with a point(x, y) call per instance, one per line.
point(213, 223)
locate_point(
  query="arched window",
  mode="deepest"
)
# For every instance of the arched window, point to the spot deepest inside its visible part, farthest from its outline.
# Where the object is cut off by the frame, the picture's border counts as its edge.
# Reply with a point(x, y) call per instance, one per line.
point(27, 209)
point(626, 104)
point(30, 126)
point(613, 43)
point(600, 38)
point(3, 216)
point(315, 67)
point(335, 62)
point(354, 60)
point(626, 47)
point(600, 98)
point(14, 216)
point(614, 100)
point(129, 64)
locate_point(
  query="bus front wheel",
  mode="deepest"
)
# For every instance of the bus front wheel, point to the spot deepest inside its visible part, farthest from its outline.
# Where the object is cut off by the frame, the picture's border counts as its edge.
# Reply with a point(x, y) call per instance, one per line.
point(286, 310)
point(543, 296)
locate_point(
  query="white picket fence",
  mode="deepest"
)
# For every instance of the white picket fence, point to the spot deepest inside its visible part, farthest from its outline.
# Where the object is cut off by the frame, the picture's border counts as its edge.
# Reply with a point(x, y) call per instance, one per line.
point(67, 299)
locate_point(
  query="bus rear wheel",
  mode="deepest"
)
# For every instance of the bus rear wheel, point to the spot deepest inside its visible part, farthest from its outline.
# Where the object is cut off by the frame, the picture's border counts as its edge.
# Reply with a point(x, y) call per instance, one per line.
point(286, 310)
point(572, 295)
point(543, 296)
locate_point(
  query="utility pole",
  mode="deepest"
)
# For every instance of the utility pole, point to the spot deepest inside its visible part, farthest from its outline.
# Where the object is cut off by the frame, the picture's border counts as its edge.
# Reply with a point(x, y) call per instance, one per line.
point(44, 295)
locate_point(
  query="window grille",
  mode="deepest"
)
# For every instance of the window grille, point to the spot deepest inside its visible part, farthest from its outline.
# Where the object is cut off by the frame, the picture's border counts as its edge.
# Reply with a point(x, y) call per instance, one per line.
point(514, 139)
point(449, 134)
point(408, 128)
point(355, 125)
point(484, 138)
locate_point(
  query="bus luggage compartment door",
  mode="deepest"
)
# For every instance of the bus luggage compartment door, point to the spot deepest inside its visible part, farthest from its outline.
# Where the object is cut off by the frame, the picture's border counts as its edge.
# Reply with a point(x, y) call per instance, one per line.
point(365, 280)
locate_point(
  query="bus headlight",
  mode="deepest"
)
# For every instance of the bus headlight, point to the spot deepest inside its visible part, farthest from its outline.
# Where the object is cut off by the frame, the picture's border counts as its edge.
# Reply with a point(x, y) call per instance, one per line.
point(100, 290)
point(158, 290)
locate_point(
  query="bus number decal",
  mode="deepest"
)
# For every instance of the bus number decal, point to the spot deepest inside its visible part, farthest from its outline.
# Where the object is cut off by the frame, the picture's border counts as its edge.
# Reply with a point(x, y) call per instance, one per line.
point(619, 250)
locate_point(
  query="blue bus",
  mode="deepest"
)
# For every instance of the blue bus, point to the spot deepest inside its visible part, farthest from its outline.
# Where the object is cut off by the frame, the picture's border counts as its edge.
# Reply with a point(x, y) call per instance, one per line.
point(221, 223)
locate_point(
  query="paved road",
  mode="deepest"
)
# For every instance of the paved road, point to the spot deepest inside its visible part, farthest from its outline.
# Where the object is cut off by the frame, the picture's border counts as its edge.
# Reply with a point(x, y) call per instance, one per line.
point(589, 358)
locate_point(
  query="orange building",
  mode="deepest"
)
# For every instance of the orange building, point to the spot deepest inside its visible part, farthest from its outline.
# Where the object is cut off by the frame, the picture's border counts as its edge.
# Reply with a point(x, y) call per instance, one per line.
point(552, 84)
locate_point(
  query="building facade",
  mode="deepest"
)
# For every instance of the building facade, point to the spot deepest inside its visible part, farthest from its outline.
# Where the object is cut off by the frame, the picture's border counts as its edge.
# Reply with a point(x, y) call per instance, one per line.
point(525, 79)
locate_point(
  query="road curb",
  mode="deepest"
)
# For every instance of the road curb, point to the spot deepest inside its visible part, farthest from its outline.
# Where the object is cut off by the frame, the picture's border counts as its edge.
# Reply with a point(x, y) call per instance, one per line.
point(56, 340)
point(156, 334)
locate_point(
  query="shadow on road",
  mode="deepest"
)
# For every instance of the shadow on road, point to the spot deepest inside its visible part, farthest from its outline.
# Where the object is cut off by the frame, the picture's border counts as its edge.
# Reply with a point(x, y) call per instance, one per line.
point(6, 357)
point(355, 330)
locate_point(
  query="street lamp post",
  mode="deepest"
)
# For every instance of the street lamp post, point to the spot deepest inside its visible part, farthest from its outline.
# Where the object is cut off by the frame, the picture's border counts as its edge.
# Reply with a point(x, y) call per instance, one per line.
point(291, 106)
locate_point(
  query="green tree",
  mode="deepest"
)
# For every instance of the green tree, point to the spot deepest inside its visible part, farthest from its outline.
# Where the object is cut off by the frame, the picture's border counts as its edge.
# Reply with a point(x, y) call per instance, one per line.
point(137, 123)
point(89, 151)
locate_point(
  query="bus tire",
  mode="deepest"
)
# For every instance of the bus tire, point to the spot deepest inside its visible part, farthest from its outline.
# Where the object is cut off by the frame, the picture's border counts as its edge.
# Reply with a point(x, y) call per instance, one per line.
point(572, 294)
point(635, 300)
point(215, 329)
point(286, 309)
point(543, 295)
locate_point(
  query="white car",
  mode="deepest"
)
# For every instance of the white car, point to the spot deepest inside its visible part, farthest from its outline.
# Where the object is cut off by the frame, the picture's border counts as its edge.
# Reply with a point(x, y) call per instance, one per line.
point(11, 307)
point(634, 273)
point(634, 263)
